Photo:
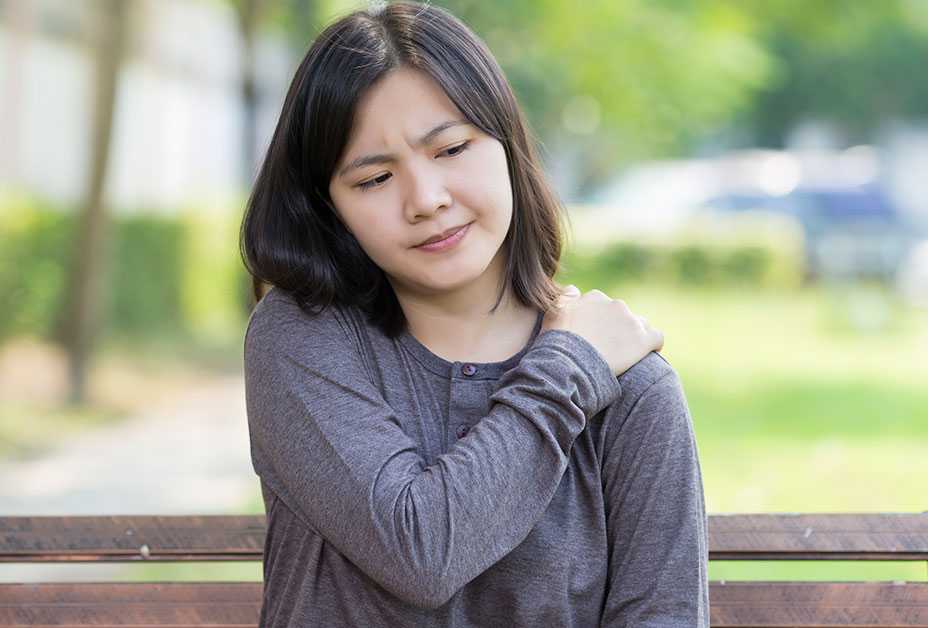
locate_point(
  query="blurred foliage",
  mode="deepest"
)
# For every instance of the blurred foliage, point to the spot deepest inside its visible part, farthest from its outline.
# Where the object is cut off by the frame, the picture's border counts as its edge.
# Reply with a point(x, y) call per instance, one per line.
point(624, 80)
point(36, 242)
point(750, 249)
point(177, 276)
point(215, 292)
point(145, 275)
point(857, 66)
point(48, 424)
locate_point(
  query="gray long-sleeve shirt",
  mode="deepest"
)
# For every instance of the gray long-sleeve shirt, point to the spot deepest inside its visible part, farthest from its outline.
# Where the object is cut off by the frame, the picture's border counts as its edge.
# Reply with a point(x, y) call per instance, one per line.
point(402, 489)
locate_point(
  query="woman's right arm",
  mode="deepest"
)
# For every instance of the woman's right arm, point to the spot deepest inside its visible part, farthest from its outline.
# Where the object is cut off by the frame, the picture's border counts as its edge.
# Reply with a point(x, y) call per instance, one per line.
point(330, 447)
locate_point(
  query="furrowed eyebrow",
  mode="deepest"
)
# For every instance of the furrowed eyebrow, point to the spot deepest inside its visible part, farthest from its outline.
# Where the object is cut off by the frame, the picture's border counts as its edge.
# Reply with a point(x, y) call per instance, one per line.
point(368, 160)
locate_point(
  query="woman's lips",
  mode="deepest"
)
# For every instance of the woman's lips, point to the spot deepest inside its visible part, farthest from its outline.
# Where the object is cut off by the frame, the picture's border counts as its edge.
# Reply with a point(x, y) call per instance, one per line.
point(447, 243)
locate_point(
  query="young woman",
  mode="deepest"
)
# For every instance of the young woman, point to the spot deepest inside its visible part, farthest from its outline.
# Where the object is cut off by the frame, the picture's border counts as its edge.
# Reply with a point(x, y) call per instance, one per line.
point(444, 436)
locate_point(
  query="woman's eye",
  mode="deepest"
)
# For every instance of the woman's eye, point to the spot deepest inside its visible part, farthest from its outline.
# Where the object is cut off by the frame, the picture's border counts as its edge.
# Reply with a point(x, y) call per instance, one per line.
point(454, 151)
point(460, 148)
point(373, 182)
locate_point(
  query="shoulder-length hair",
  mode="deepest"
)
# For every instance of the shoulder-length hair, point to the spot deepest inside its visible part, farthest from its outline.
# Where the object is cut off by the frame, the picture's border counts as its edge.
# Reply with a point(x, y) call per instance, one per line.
point(291, 236)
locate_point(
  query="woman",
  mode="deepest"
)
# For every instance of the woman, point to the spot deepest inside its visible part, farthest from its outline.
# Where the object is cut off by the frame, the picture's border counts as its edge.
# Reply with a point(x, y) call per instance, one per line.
point(438, 427)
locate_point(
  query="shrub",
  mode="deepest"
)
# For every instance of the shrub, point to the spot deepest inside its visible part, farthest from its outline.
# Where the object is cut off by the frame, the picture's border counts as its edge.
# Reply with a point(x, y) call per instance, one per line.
point(747, 249)
point(177, 275)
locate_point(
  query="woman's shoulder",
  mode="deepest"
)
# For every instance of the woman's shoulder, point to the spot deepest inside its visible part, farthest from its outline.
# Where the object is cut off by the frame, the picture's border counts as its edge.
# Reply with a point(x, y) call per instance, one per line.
point(647, 373)
point(652, 403)
point(279, 318)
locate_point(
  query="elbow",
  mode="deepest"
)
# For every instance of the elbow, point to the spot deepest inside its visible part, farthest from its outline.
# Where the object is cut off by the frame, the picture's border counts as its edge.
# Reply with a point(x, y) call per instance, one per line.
point(431, 601)
point(426, 589)
point(430, 594)
point(438, 596)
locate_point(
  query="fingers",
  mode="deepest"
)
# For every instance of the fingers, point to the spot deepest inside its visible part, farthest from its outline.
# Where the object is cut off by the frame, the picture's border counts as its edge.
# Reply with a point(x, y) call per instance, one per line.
point(570, 292)
point(655, 336)
point(658, 339)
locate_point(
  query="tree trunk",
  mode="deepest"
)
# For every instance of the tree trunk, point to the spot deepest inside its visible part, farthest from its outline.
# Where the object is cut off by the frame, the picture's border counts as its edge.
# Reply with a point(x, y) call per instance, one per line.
point(250, 13)
point(85, 287)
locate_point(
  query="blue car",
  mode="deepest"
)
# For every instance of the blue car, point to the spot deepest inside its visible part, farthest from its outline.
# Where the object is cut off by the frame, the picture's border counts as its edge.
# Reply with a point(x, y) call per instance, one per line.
point(849, 231)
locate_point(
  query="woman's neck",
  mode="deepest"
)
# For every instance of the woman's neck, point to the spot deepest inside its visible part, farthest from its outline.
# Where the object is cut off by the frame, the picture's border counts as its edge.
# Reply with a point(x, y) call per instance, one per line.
point(460, 327)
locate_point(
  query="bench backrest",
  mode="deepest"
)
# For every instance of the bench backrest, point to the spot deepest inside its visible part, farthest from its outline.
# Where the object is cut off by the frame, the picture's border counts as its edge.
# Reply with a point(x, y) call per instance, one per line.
point(865, 536)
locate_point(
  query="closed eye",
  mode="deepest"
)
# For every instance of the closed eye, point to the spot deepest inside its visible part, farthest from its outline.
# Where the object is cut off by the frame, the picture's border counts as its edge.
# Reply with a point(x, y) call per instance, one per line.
point(378, 181)
point(462, 146)
point(372, 182)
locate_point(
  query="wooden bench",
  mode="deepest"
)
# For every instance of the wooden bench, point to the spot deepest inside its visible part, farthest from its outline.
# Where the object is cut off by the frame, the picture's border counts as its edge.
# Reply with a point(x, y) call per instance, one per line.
point(858, 537)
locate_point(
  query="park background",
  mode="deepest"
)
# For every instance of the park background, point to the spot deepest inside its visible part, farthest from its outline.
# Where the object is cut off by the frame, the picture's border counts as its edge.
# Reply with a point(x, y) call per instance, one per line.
point(749, 176)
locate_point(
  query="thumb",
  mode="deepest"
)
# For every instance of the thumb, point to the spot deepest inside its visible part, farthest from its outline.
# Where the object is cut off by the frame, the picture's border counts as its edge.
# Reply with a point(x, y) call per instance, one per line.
point(568, 295)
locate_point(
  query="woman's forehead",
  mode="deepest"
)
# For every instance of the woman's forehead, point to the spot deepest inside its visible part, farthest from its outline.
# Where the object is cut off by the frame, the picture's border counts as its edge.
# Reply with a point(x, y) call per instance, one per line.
point(405, 103)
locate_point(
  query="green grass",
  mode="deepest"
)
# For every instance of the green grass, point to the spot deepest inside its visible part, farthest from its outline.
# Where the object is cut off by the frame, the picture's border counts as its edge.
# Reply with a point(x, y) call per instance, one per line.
point(829, 570)
point(28, 429)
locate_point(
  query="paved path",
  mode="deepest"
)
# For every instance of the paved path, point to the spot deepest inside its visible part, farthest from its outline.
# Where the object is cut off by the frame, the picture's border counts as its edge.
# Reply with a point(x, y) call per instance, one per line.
point(188, 456)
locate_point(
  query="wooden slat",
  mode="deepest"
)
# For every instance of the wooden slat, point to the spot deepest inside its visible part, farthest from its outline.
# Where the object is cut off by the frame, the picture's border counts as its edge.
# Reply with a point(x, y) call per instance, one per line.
point(817, 604)
point(775, 536)
point(131, 538)
point(771, 536)
point(227, 604)
point(732, 604)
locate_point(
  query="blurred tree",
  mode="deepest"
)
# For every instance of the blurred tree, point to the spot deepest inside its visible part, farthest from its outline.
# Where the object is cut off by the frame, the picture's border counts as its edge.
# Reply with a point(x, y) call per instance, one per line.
point(298, 20)
point(84, 296)
point(857, 64)
point(604, 82)
point(612, 81)
point(250, 13)
point(608, 82)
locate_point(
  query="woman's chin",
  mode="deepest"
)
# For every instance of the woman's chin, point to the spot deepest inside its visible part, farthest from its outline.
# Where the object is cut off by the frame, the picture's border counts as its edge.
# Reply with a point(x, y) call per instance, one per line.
point(448, 281)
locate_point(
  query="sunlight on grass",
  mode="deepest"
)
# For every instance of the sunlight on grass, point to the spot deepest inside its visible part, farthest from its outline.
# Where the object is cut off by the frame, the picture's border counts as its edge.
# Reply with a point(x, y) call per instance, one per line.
point(192, 572)
point(836, 570)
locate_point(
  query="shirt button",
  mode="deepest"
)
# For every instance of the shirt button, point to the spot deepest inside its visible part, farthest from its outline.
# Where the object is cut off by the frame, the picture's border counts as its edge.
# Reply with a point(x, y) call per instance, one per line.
point(468, 369)
point(462, 431)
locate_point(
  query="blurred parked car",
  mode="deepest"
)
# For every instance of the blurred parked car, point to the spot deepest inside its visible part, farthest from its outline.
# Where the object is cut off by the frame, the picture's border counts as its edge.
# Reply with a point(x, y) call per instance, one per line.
point(849, 231)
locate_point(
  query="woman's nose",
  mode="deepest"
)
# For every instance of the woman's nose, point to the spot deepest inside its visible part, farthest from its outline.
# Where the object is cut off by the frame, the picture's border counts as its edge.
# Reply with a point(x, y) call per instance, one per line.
point(427, 192)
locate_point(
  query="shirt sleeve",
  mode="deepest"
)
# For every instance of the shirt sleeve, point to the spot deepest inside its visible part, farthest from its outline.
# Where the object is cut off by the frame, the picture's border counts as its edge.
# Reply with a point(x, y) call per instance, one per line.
point(326, 442)
point(655, 515)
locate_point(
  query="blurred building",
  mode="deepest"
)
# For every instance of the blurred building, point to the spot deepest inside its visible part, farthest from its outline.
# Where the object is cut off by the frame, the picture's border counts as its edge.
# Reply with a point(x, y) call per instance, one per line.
point(179, 115)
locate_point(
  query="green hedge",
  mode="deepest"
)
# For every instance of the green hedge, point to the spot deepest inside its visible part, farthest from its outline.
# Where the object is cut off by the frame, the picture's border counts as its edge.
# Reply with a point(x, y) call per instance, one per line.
point(751, 250)
point(181, 274)
point(34, 248)
point(177, 274)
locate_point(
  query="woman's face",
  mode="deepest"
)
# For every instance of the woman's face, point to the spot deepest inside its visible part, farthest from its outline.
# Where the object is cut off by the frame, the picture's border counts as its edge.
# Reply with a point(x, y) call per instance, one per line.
point(410, 190)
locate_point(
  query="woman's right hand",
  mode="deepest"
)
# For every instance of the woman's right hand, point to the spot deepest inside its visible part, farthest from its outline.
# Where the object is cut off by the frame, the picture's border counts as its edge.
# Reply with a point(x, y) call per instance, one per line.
point(621, 336)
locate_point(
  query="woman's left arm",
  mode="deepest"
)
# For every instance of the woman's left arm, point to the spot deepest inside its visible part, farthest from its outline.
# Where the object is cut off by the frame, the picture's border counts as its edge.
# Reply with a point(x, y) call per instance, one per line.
point(655, 509)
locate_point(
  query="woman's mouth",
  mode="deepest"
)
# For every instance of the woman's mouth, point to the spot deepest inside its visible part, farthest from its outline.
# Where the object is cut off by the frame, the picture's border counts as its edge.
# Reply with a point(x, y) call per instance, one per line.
point(447, 243)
